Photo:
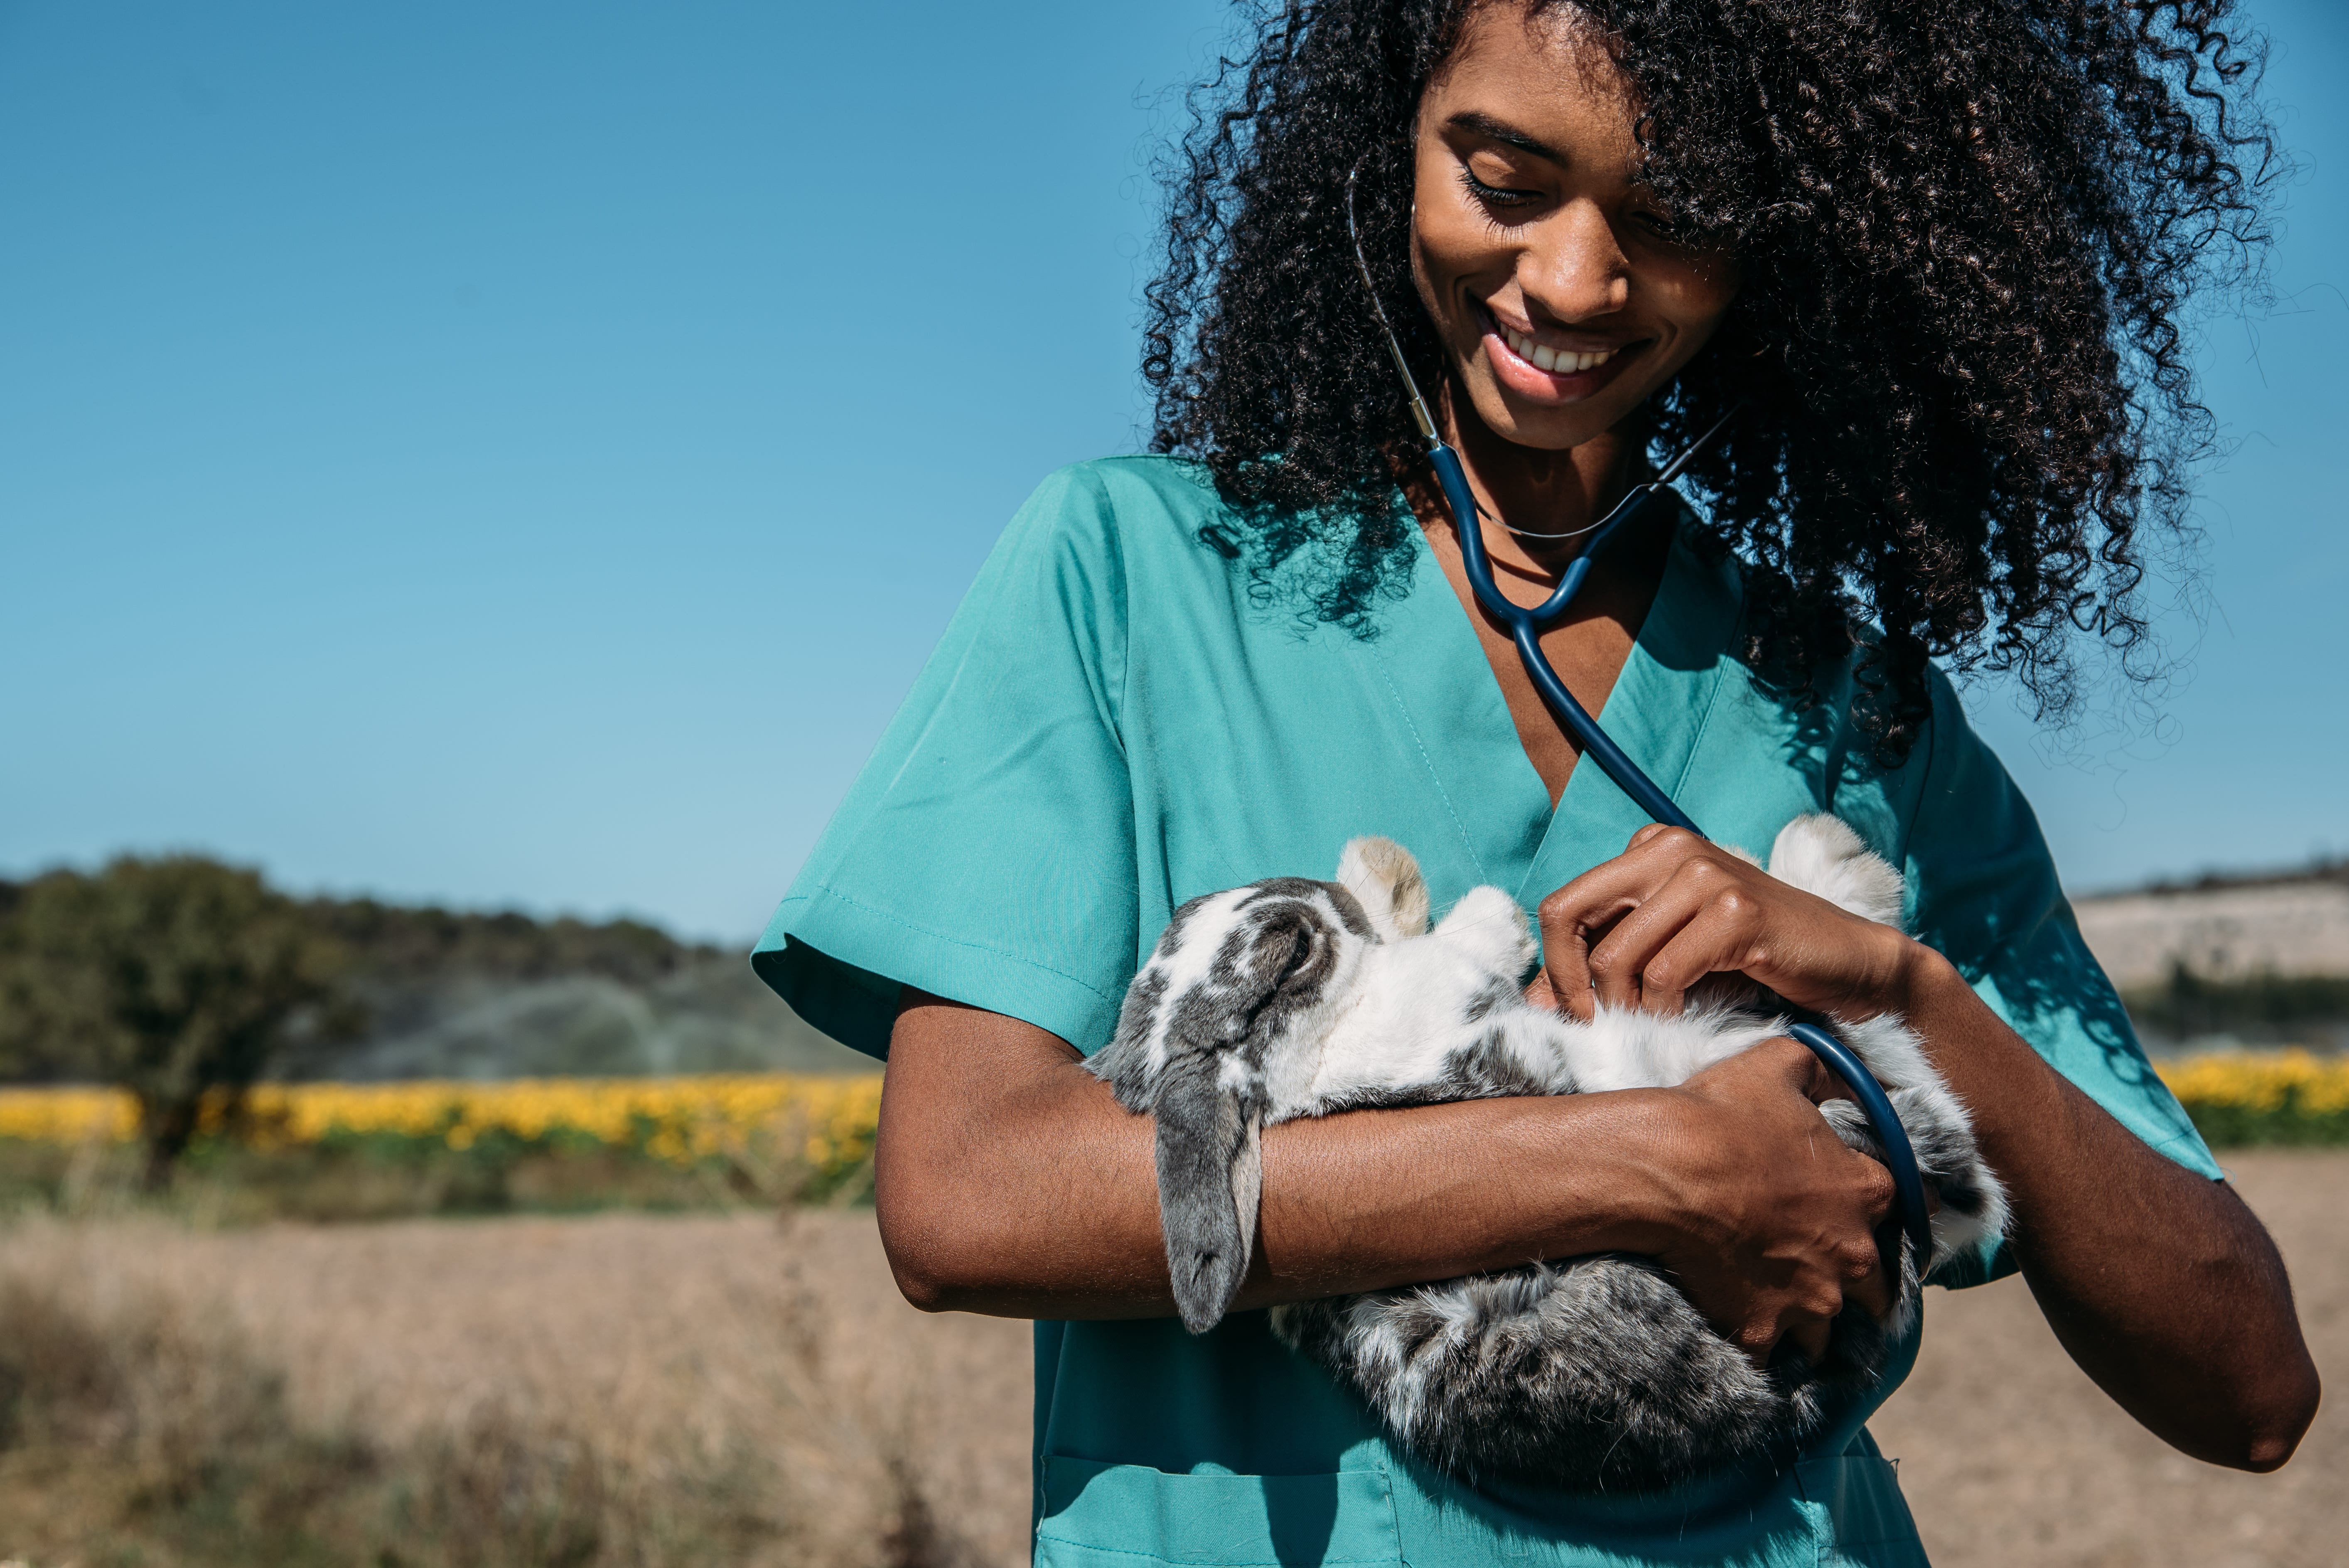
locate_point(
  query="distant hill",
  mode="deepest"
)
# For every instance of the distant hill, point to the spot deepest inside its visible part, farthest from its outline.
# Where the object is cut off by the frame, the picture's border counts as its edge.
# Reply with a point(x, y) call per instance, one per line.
point(446, 993)
point(453, 994)
point(2223, 926)
point(2258, 958)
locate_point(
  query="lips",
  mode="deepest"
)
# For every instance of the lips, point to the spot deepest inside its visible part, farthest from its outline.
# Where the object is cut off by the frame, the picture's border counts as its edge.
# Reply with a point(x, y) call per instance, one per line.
point(1558, 363)
point(1570, 376)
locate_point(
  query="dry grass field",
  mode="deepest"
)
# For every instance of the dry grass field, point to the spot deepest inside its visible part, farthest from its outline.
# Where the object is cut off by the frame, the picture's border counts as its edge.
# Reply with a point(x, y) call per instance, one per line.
point(740, 1390)
point(2009, 1456)
point(611, 1389)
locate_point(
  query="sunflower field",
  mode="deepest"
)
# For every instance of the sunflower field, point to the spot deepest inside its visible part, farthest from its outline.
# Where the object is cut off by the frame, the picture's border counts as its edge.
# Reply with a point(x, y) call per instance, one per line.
point(568, 1142)
point(2263, 1096)
point(588, 1142)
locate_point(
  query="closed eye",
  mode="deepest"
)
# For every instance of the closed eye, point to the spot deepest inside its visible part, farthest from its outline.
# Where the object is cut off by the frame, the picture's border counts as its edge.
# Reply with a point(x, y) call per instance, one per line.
point(1495, 195)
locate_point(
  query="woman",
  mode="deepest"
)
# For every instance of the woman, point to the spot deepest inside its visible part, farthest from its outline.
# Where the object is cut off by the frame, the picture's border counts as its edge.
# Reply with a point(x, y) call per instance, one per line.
point(1931, 254)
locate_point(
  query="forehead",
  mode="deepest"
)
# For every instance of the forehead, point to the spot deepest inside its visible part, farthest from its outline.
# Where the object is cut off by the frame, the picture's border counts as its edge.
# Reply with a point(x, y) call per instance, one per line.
point(1544, 71)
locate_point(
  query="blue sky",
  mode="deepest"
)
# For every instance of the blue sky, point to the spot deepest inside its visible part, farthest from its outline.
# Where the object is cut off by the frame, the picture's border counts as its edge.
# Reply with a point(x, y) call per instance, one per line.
point(521, 455)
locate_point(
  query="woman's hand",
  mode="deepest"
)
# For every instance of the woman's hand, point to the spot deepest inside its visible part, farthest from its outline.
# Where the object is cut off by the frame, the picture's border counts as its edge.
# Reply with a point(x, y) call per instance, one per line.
point(1766, 1220)
point(1640, 931)
point(1771, 1220)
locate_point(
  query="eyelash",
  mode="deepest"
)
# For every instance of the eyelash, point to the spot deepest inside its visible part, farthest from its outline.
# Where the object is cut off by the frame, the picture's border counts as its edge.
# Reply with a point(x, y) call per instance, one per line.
point(1663, 228)
point(1493, 196)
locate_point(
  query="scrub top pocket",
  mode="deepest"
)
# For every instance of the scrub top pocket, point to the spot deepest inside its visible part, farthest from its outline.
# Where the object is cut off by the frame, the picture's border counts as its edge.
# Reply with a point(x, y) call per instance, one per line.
point(1100, 1515)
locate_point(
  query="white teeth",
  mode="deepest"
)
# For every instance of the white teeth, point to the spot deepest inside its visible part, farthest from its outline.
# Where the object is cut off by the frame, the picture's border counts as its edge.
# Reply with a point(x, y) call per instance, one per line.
point(1557, 361)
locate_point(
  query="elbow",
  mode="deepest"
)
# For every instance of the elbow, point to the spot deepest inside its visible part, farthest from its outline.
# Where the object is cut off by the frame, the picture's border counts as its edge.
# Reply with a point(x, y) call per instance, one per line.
point(934, 1239)
point(2278, 1400)
point(926, 1286)
point(929, 1276)
point(2257, 1423)
point(2273, 1432)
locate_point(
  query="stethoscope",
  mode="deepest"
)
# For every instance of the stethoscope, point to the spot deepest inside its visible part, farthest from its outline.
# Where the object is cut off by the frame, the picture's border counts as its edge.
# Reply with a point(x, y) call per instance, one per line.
point(1525, 627)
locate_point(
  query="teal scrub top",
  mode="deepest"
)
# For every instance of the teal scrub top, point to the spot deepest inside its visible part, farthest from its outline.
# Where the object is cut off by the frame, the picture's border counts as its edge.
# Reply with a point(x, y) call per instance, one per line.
point(1124, 714)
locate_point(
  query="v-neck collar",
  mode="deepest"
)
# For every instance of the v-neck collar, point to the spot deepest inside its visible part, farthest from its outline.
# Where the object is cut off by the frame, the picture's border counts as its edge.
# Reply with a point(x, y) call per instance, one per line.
point(1435, 668)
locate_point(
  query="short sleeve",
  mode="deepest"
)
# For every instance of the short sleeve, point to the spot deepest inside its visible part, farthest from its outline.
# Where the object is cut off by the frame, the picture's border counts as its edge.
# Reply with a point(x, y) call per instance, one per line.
point(1987, 896)
point(986, 853)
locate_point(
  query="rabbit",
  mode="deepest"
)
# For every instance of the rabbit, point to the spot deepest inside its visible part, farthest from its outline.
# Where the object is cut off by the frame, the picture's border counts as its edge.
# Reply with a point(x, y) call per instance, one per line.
point(1293, 998)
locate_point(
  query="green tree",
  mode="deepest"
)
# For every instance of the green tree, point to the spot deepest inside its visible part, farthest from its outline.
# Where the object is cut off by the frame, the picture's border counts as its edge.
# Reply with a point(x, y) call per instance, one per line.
point(177, 978)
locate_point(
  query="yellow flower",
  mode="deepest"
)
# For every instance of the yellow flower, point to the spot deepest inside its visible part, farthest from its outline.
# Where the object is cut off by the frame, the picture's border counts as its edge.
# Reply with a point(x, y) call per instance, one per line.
point(829, 1122)
point(2264, 1081)
point(824, 1123)
point(68, 1115)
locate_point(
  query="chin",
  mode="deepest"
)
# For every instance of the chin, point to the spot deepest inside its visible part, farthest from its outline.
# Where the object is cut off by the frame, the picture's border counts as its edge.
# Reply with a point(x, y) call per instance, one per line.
point(1525, 424)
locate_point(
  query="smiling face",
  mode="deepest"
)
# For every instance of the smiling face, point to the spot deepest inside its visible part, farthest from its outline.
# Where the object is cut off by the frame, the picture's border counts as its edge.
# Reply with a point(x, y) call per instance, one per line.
point(1551, 274)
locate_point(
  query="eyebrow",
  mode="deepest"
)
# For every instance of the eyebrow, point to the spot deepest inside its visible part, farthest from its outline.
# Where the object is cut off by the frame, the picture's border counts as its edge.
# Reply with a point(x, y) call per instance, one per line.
point(1484, 125)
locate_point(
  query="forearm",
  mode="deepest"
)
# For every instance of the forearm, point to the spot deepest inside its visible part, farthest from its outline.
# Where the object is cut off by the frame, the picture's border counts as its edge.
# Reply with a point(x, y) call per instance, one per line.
point(1373, 1198)
point(1010, 1183)
point(2159, 1281)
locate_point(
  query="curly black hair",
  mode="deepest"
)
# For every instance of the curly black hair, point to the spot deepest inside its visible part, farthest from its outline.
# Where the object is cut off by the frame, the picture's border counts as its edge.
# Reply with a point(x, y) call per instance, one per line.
point(1968, 230)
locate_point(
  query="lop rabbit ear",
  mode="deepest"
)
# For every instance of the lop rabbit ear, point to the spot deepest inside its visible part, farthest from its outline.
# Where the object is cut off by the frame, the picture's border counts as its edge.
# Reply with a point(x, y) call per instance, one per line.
point(1205, 1023)
point(1384, 879)
point(1210, 1179)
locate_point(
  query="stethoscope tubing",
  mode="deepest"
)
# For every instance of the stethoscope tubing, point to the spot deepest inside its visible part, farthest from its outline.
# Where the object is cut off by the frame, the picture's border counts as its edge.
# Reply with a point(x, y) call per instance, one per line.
point(1526, 623)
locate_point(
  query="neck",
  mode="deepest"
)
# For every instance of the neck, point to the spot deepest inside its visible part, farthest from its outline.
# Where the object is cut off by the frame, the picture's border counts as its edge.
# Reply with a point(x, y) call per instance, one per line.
point(1536, 490)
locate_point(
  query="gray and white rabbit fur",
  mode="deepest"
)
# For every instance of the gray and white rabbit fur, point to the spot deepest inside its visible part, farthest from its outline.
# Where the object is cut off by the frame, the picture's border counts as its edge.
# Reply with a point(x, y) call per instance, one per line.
point(1293, 998)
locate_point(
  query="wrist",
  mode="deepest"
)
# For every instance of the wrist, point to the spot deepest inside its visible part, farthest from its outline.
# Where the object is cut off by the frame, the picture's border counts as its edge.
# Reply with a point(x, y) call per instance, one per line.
point(2009, 1091)
point(1922, 980)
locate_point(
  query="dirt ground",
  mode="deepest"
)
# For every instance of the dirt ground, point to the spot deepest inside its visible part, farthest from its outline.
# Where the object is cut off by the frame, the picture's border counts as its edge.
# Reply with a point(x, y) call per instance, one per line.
point(702, 1374)
point(2010, 1454)
point(651, 1333)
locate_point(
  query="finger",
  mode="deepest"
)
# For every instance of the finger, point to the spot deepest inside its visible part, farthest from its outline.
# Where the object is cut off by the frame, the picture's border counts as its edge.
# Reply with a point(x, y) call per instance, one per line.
point(1779, 1060)
point(1646, 834)
point(1541, 993)
point(1566, 968)
point(1697, 950)
point(1758, 1342)
point(1879, 1190)
point(1605, 891)
point(1789, 1062)
point(1872, 1288)
point(1612, 903)
point(1567, 941)
point(1717, 940)
point(1795, 1065)
point(1862, 1260)
point(1810, 1322)
point(1619, 961)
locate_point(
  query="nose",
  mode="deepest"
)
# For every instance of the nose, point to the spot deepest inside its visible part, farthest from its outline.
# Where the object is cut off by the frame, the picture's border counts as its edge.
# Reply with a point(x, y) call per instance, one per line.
point(1575, 271)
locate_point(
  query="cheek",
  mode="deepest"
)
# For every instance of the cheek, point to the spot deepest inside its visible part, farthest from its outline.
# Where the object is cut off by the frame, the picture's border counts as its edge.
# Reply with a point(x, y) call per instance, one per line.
point(1449, 245)
point(1696, 298)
